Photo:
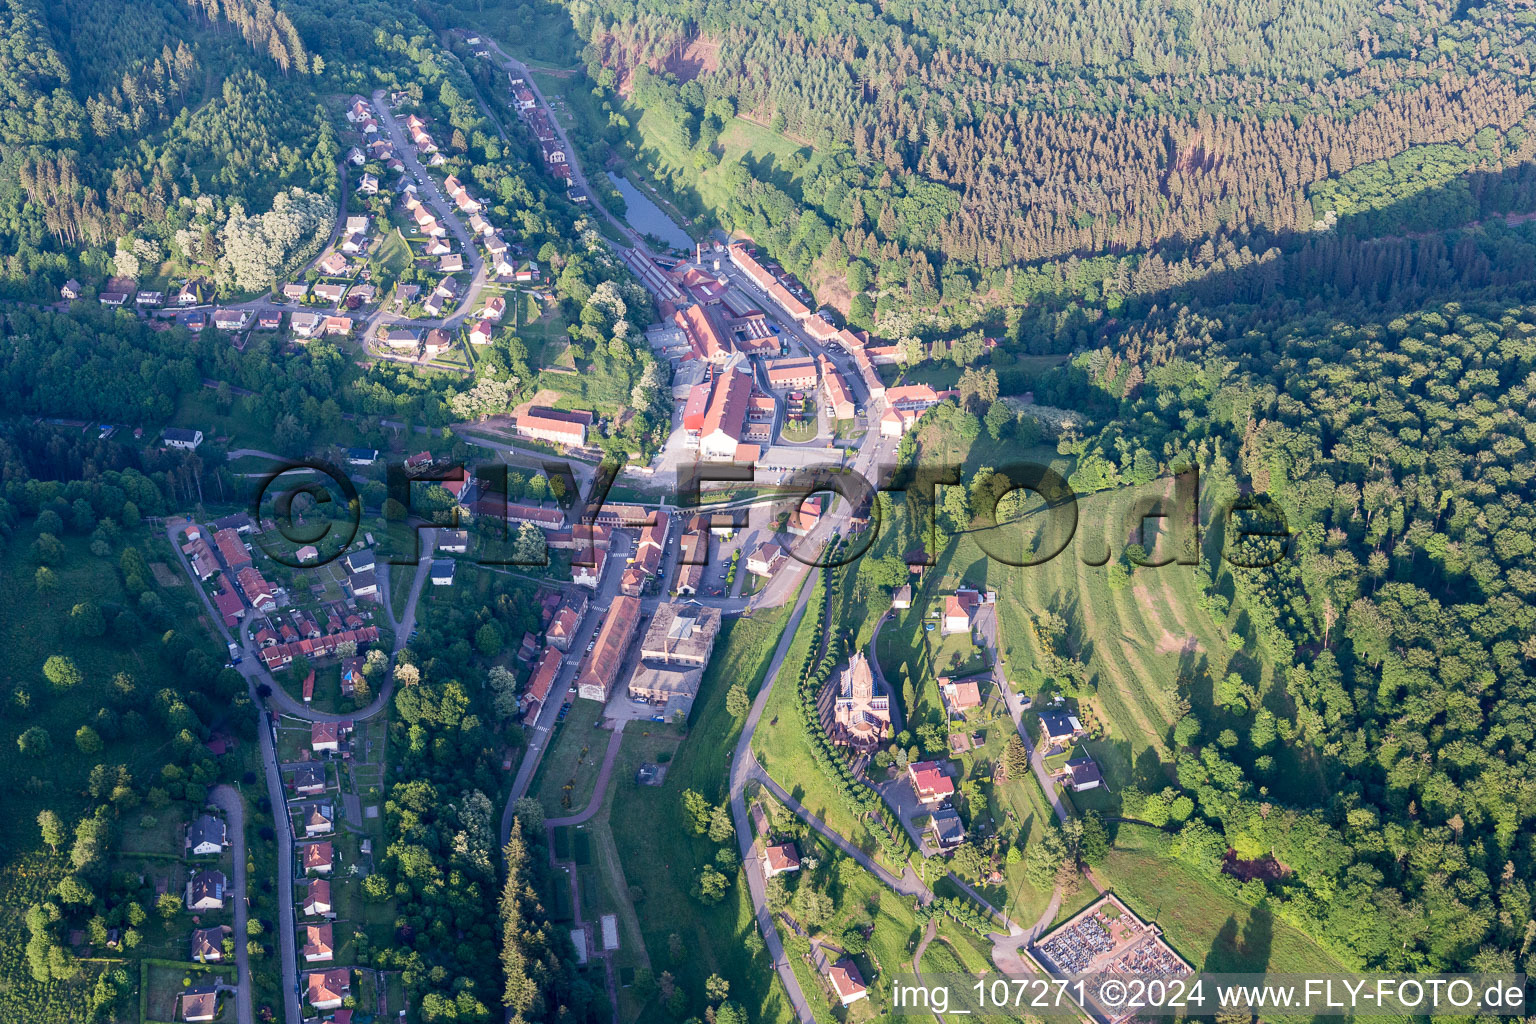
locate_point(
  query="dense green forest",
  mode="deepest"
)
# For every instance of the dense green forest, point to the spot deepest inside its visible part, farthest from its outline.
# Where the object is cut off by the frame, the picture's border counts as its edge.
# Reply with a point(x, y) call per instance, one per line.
point(962, 159)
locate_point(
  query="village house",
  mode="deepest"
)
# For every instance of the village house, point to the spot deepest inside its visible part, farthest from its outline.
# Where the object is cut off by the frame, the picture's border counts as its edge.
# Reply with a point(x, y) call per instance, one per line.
point(354, 243)
point(318, 943)
point(1060, 730)
point(766, 560)
point(351, 676)
point(261, 594)
point(563, 628)
point(330, 291)
point(356, 157)
point(959, 610)
point(309, 779)
point(780, 859)
point(840, 404)
point(651, 548)
point(437, 342)
point(329, 737)
point(436, 247)
point(846, 982)
point(200, 555)
point(901, 598)
point(543, 677)
point(189, 294)
point(113, 299)
point(206, 836)
point(494, 309)
point(480, 333)
point(317, 898)
point(200, 1003)
point(805, 516)
point(930, 782)
point(205, 891)
point(960, 695)
point(441, 572)
point(451, 263)
point(268, 320)
point(326, 990)
point(179, 437)
point(208, 945)
point(305, 324)
point(232, 549)
point(693, 555)
point(333, 264)
point(70, 290)
point(792, 374)
point(402, 337)
point(367, 184)
point(149, 299)
point(945, 828)
point(1081, 773)
point(318, 819)
point(230, 319)
point(230, 608)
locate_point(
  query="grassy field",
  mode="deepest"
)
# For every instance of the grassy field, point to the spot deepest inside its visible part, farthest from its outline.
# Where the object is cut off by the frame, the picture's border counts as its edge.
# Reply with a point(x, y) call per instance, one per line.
point(392, 257)
point(568, 772)
point(784, 751)
point(658, 854)
point(1213, 930)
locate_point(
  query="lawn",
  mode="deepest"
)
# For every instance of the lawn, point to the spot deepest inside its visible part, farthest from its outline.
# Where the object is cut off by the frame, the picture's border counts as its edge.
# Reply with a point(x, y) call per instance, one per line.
point(659, 854)
point(956, 655)
point(392, 257)
point(163, 982)
point(802, 430)
point(568, 771)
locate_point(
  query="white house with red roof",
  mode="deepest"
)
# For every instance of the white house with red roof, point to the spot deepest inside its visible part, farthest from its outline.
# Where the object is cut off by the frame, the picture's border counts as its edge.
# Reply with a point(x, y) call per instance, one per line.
point(780, 859)
point(930, 782)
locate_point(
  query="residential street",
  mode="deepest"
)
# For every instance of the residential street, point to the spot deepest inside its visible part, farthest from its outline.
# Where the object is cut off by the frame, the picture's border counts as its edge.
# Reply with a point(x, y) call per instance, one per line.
point(226, 799)
point(578, 176)
point(256, 675)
